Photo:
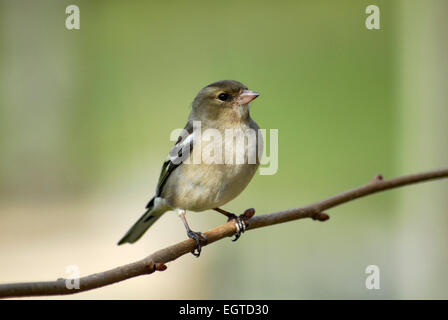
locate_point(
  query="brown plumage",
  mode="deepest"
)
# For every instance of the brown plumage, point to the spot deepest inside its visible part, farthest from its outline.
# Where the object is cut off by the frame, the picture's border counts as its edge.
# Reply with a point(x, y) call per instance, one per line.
point(184, 185)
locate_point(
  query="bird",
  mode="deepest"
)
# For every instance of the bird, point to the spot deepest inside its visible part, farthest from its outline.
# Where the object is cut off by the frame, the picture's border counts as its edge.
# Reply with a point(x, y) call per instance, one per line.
point(186, 184)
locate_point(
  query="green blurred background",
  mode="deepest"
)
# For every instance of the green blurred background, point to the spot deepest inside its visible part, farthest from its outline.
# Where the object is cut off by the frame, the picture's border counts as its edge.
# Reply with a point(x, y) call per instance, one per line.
point(85, 119)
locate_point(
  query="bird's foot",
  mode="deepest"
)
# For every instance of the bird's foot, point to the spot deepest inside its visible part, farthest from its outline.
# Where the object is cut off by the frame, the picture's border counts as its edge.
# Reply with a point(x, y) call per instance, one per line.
point(241, 222)
point(201, 240)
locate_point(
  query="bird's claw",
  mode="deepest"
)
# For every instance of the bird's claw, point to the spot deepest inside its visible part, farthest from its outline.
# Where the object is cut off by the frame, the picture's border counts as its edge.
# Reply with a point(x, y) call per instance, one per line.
point(240, 226)
point(199, 237)
point(241, 222)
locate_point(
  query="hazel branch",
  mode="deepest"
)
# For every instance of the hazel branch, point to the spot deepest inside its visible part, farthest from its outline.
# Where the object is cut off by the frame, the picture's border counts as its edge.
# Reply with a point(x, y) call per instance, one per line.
point(158, 260)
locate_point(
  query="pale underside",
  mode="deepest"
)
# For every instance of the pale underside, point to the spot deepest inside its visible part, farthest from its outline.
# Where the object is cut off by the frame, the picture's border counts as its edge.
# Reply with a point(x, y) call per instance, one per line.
point(203, 186)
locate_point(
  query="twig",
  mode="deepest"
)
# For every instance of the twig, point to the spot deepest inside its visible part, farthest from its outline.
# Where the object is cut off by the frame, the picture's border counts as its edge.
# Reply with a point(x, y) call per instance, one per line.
point(157, 260)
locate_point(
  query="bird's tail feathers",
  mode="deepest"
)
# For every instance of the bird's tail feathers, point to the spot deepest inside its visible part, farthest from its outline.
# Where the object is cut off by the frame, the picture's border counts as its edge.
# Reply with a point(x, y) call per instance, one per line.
point(146, 220)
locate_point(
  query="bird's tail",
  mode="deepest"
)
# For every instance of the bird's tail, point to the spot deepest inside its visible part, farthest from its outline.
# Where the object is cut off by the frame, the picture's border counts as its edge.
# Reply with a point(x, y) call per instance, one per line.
point(145, 221)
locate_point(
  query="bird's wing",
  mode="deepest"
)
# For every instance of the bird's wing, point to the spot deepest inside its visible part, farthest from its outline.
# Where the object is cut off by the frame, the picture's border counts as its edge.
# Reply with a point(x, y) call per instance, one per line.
point(177, 155)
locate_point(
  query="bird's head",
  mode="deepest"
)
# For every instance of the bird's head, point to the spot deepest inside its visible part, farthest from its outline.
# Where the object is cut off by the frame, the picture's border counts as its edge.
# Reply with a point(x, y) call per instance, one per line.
point(226, 99)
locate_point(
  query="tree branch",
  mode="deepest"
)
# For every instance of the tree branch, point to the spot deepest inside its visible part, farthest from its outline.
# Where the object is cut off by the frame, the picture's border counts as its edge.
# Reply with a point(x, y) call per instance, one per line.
point(157, 260)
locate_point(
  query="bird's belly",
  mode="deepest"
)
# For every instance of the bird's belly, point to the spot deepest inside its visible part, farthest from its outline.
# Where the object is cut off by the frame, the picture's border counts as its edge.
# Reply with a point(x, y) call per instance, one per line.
point(199, 187)
point(211, 184)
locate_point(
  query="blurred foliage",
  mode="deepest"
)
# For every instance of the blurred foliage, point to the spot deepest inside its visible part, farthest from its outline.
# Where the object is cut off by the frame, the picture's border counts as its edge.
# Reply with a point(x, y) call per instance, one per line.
point(111, 93)
point(326, 83)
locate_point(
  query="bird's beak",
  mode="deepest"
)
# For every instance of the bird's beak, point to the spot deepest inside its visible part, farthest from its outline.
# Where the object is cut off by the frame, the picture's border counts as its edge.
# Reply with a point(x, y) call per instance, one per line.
point(247, 96)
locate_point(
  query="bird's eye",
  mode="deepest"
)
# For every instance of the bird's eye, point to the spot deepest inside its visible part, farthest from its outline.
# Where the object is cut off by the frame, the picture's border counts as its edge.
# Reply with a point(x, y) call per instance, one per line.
point(223, 96)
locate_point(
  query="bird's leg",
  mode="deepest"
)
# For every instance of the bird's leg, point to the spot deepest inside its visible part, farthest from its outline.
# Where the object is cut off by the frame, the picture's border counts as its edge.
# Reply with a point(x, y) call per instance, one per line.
point(240, 221)
point(229, 215)
point(198, 236)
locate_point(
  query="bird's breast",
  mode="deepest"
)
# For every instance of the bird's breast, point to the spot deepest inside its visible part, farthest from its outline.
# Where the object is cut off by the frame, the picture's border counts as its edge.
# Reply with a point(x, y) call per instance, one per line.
point(228, 161)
